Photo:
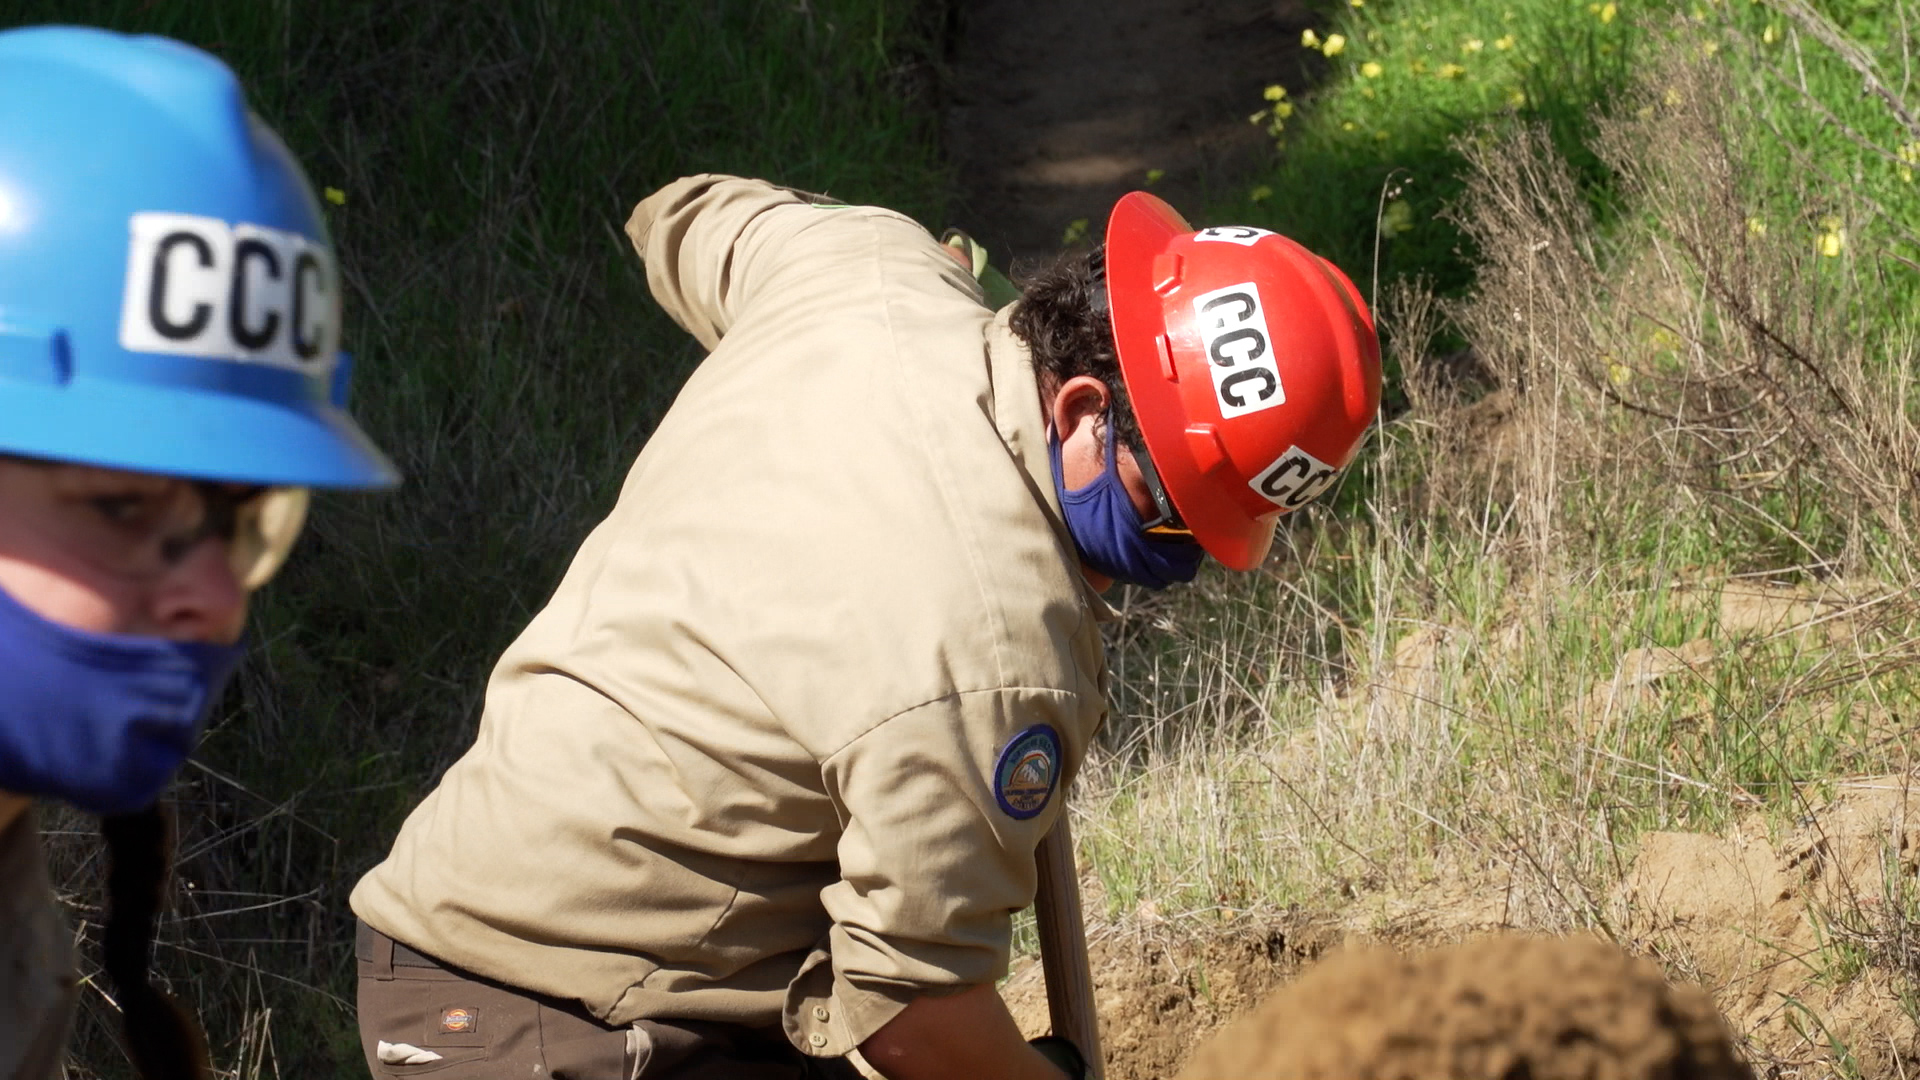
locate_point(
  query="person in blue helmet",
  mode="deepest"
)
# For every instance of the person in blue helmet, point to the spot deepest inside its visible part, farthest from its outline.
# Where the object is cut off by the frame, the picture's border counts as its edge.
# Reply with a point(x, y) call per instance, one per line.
point(171, 386)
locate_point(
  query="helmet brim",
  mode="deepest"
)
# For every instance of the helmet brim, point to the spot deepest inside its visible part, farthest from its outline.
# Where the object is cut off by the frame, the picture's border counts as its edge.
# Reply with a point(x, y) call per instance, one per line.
point(309, 444)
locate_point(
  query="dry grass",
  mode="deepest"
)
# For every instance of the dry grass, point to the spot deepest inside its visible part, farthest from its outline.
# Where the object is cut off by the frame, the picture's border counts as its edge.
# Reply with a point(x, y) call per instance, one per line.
point(1641, 560)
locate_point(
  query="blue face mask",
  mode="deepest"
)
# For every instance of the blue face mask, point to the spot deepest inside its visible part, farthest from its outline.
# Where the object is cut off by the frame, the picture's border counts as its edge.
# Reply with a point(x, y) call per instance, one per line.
point(99, 720)
point(1105, 526)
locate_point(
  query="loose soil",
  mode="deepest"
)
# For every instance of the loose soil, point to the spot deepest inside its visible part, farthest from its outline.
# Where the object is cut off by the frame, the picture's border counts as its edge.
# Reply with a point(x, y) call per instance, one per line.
point(1805, 939)
point(1494, 1008)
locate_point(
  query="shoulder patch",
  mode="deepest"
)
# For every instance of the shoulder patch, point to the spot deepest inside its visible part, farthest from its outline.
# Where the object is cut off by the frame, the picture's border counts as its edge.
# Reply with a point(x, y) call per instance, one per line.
point(1027, 772)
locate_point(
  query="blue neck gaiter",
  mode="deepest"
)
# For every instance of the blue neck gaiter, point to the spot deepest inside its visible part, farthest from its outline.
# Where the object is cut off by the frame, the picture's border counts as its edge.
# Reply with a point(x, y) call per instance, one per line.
point(101, 721)
point(1105, 526)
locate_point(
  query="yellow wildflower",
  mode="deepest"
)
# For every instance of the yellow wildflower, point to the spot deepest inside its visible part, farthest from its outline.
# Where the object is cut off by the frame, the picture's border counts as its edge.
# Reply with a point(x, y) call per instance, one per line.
point(1367, 92)
point(1503, 43)
point(336, 196)
point(1310, 39)
point(1472, 45)
point(1358, 3)
point(1517, 98)
point(1618, 373)
point(1276, 92)
point(1671, 98)
point(1371, 70)
point(1833, 238)
point(1346, 125)
point(1771, 34)
point(1336, 44)
point(1450, 71)
point(1418, 67)
point(1756, 226)
point(1708, 49)
point(1607, 12)
point(1154, 175)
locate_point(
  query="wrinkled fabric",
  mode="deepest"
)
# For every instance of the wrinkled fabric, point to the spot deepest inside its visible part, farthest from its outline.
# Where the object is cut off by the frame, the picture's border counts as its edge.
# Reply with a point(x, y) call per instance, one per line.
point(101, 721)
point(742, 766)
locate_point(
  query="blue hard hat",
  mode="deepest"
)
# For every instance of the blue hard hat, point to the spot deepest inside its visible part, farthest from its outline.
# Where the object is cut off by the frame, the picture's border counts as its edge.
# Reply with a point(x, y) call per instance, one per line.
point(169, 301)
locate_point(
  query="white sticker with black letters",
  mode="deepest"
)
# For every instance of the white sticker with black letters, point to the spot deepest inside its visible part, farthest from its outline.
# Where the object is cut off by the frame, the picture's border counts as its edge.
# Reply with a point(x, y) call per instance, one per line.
point(198, 286)
point(1244, 235)
point(1233, 331)
point(1295, 480)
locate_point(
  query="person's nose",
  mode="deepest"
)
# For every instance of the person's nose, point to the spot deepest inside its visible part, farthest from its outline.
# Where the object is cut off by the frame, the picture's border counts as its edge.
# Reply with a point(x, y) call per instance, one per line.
point(200, 599)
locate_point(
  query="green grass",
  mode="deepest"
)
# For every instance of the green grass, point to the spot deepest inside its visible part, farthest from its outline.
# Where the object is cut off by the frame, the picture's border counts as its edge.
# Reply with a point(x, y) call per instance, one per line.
point(509, 358)
point(1681, 247)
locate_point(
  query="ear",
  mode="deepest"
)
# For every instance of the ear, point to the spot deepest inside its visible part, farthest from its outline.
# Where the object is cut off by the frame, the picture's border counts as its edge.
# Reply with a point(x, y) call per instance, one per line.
point(1081, 399)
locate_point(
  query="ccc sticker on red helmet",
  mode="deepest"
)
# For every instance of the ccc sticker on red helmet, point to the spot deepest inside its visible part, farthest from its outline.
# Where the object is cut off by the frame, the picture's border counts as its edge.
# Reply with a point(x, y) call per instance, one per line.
point(1244, 235)
point(1295, 480)
point(1233, 330)
point(198, 286)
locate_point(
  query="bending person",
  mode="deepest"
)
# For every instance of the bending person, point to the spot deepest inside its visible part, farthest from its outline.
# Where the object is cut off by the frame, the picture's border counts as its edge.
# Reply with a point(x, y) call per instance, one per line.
point(170, 388)
point(757, 794)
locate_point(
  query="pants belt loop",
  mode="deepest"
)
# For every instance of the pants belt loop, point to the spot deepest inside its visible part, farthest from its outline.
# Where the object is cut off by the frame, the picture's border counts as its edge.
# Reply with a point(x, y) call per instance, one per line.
point(382, 955)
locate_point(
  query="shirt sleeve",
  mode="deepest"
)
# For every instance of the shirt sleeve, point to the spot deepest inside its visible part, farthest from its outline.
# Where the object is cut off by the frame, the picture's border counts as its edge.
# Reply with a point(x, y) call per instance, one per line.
point(942, 808)
point(712, 242)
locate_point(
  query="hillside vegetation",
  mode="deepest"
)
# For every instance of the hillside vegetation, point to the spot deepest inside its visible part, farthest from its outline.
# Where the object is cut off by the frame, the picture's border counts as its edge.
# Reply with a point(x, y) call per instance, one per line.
point(1632, 553)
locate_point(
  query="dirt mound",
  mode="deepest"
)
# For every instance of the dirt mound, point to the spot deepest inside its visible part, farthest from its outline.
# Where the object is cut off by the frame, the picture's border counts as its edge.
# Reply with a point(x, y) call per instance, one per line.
point(1497, 1007)
point(1809, 940)
point(1159, 992)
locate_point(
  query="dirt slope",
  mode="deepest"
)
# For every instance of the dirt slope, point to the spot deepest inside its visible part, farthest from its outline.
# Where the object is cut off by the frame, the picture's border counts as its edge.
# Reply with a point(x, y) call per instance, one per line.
point(1059, 107)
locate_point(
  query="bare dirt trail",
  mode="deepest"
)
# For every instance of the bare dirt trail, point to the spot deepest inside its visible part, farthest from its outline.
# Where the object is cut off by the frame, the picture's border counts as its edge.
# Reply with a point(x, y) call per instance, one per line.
point(1058, 107)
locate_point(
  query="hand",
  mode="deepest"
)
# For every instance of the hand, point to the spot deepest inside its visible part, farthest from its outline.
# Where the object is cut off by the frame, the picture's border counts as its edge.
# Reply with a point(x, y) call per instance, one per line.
point(963, 1036)
point(1063, 1054)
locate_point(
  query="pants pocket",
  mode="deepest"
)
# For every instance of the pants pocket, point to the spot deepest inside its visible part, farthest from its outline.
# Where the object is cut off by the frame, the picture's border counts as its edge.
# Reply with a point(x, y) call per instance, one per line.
point(424, 1021)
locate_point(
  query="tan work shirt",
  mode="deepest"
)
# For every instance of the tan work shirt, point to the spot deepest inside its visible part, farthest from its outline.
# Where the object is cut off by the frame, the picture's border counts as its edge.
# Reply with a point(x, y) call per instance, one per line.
point(37, 983)
point(782, 744)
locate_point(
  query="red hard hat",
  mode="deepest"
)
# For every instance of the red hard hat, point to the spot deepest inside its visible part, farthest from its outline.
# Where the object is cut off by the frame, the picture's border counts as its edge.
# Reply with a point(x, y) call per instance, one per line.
point(1252, 364)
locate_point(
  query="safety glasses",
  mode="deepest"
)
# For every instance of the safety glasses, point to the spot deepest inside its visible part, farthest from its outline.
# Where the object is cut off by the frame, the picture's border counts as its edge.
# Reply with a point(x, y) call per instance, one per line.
point(1166, 523)
point(140, 526)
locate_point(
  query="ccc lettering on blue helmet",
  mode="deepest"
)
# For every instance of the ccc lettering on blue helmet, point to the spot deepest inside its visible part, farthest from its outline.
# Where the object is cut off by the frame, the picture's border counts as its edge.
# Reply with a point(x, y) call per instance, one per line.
point(199, 286)
point(1294, 480)
point(1233, 331)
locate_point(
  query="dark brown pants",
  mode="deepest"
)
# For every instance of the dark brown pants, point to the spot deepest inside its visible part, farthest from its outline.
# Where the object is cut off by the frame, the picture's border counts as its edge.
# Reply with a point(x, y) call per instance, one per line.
point(421, 1017)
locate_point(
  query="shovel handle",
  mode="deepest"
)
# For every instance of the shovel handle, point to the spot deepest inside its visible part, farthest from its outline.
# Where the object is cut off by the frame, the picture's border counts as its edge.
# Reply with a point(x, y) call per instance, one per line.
point(1063, 947)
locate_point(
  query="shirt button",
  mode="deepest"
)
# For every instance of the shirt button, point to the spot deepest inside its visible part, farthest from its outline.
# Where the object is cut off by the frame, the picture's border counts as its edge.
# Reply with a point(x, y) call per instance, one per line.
point(820, 1013)
point(817, 1039)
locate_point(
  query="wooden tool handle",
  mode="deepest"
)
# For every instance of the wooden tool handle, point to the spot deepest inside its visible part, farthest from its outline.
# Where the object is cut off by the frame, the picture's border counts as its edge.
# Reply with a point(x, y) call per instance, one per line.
point(1063, 947)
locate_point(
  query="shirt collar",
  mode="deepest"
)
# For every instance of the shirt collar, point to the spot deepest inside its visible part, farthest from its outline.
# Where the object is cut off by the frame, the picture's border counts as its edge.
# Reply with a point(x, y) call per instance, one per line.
point(1017, 416)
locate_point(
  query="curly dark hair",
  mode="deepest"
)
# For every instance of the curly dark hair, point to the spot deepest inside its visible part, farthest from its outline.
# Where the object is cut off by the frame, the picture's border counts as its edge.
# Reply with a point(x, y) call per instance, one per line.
point(1063, 319)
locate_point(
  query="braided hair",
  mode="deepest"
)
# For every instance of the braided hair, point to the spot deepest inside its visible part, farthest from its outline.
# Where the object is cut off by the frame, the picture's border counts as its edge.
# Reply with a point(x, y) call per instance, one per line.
point(162, 1039)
